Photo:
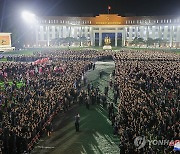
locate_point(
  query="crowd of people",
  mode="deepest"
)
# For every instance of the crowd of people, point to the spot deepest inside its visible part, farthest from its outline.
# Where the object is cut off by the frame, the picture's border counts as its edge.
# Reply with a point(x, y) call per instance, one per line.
point(148, 87)
point(27, 110)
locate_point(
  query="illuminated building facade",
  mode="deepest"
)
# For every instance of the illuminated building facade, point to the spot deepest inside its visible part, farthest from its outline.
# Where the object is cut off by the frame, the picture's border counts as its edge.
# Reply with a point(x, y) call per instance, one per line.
point(121, 30)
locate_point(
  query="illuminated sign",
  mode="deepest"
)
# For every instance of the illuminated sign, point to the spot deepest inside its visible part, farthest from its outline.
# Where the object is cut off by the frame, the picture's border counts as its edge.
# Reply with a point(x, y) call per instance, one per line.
point(108, 23)
point(4, 40)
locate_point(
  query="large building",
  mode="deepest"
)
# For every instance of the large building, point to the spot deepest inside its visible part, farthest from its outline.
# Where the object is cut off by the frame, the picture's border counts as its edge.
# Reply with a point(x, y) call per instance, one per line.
point(121, 30)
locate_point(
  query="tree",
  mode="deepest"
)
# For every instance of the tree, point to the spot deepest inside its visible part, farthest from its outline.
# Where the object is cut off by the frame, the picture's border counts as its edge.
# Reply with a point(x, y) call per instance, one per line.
point(165, 41)
point(137, 41)
point(70, 40)
point(150, 42)
point(82, 40)
point(159, 41)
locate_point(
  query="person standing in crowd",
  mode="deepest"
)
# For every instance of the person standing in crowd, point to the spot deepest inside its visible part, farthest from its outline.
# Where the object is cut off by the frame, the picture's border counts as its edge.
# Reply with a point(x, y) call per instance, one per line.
point(49, 128)
point(106, 89)
point(87, 101)
point(77, 120)
point(100, 74)
point(94, 66)
point(104, 100)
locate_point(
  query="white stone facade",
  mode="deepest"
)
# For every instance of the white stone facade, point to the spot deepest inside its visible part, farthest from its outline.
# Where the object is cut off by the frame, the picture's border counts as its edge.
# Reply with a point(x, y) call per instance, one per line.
point(166, 28)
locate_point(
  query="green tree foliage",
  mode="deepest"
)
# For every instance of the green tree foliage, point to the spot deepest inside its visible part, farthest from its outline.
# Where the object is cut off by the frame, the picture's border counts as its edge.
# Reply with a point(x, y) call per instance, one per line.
point(150, 42)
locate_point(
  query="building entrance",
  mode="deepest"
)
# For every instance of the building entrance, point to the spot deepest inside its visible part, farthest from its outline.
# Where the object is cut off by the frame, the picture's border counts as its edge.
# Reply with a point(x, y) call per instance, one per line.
point(115, 37)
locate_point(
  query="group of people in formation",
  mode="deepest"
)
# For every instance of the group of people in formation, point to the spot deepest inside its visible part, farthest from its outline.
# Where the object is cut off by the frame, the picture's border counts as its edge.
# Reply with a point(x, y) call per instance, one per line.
point(146, 86)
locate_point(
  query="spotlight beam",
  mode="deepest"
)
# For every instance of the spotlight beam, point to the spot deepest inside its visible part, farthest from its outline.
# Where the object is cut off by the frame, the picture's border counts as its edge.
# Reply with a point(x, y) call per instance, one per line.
point(29, 17)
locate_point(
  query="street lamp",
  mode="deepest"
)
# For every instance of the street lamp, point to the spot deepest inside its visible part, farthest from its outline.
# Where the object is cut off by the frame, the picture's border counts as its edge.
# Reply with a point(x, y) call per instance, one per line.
point(31, 21)
point(29, 17)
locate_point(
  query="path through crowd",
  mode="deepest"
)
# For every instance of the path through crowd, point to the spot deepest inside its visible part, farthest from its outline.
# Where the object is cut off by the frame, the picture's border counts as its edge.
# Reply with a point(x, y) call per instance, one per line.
point(106, 67)
point(96, 133)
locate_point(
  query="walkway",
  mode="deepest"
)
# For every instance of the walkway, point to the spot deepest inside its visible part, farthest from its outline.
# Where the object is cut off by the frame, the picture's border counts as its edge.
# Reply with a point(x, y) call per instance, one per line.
point(96, 133)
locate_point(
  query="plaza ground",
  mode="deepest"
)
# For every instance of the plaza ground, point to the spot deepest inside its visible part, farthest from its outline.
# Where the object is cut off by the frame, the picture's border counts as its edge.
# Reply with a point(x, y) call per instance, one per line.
point(96, 133)
point(30, 51)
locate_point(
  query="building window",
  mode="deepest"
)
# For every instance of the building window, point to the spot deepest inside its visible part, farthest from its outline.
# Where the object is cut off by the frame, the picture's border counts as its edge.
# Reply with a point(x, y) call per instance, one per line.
point(56, 36)
point(168, 29)
point(45, 37)
point(96, 28)
point(175, 29)
point(44, 28)
point(150, 28)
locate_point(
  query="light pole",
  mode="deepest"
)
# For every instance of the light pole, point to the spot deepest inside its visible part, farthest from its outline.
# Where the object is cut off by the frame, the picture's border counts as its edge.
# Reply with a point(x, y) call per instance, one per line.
point(31, 20)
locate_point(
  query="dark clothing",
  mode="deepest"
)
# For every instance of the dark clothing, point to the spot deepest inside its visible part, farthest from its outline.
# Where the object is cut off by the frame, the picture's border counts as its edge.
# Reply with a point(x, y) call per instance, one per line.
point(77, 118)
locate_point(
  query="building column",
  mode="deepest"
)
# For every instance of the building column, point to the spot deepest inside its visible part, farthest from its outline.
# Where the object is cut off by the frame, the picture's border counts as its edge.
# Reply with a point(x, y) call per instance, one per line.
point(48, 36)
point(159, 32)
point(116, 39)
point(136, 32)
point(147, 32)
point(92, 38)
point(124, 37)
point(171, 37)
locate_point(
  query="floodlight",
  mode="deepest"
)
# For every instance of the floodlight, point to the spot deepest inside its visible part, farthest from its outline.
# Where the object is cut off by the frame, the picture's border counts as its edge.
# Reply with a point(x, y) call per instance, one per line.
point(28, 17)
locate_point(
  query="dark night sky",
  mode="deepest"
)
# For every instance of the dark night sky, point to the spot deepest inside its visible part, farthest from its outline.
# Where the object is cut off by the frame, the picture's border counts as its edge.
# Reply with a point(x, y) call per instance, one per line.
point(11, 9)
point(76, 7)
